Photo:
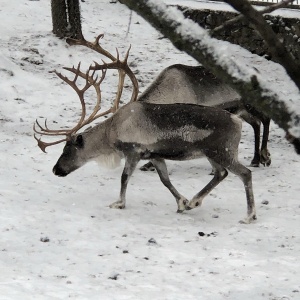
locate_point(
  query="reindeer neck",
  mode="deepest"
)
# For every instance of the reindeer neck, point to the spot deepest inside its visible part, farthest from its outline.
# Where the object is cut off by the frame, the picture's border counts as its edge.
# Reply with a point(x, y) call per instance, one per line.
point(96, 140)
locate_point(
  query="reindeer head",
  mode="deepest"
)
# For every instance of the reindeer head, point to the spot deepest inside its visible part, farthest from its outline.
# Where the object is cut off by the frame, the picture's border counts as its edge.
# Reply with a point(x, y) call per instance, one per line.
point(73, 151)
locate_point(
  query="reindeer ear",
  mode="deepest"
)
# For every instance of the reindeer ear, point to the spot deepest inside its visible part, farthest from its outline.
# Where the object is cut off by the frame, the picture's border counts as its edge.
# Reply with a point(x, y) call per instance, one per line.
point(79, 141)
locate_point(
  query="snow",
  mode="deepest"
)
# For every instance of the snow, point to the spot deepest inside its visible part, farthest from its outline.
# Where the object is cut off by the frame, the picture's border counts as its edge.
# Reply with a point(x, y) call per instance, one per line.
point(59, 239)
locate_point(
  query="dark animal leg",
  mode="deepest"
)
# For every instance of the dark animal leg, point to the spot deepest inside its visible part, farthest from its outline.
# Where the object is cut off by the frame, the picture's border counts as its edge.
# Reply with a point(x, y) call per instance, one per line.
point(265, 156)
point(256, 159)
point(162, 171)
point(219, 173)
point(147, 167)
point(130, 165)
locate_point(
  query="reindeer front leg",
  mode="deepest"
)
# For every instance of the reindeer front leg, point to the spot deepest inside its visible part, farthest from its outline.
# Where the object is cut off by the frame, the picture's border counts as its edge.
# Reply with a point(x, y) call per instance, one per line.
point(220, 173)
point(130, 165)
point(162, 171)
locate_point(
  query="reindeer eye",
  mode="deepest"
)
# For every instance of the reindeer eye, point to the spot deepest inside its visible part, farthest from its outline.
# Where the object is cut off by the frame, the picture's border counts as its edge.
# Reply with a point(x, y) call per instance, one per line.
point(79, 141)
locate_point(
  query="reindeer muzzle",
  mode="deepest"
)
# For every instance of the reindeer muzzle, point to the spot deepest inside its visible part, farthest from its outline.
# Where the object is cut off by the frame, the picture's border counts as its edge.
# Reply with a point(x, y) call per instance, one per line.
point(58, 171)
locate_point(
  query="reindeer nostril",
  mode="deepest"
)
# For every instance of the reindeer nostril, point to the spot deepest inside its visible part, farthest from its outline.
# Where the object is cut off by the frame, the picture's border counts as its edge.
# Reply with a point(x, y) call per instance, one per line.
point(58, 171)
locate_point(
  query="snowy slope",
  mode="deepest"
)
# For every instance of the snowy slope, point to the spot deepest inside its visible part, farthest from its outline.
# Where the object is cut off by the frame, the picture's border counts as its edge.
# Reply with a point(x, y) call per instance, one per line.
point(59, 239)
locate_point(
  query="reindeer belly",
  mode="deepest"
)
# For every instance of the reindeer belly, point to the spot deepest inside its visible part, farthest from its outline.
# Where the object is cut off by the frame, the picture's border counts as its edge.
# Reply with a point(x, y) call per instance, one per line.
point(173, 154)
point(170, 149)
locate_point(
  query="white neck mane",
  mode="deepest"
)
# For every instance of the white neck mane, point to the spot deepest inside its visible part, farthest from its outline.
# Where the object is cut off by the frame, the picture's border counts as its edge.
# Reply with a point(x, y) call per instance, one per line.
point(110, 161)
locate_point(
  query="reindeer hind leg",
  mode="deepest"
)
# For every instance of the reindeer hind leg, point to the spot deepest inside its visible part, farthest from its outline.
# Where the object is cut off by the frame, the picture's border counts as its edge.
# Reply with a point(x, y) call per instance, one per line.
point(246, 176)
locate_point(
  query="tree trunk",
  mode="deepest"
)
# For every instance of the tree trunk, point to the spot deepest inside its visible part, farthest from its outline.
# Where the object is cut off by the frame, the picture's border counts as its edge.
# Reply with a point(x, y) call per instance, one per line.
point(66, 18)
point(59, 18)
point(74, 19)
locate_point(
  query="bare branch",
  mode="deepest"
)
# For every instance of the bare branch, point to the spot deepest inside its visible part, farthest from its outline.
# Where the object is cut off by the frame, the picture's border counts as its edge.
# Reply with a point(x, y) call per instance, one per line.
point(240, 17)
point(277, 48)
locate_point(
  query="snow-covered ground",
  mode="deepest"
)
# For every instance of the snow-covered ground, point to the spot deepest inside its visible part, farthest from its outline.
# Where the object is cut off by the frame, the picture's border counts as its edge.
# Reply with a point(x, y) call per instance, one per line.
point(59, 239)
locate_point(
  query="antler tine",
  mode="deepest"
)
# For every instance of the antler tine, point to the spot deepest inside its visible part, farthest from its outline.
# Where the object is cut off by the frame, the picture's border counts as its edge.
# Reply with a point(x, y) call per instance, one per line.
point(122, 75)
point(116, 105)
point(72, 83)
point(118, 55)
point(73, 70)
point(96, 84)
point(100, 36)
point(44, 145)
point(121, 66)
point(46, 131)
point(94, 46)
point(86, 76)
point(127, 54)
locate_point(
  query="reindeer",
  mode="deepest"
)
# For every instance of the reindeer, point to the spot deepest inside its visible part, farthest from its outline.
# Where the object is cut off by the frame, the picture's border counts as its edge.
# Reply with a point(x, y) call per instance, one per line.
point(145, 131)
point(194, 84)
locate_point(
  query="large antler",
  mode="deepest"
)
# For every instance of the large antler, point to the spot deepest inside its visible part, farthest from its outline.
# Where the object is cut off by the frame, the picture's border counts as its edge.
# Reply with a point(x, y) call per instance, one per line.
point(122, 66)
point(89, 81)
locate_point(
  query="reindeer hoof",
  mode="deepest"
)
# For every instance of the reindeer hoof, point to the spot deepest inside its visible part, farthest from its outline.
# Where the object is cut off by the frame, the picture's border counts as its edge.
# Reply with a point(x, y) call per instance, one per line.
point(265, 158)
point(266, 163)
point(248, 220)
point(117, 205)
point(254, 164)
point(182, 203)
point(148, 167)
point(193, 204)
